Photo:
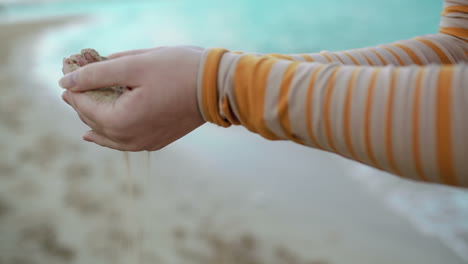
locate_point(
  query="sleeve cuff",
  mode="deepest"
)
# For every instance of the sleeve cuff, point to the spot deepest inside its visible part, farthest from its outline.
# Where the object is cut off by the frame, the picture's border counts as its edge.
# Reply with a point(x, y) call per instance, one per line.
point(207, 90)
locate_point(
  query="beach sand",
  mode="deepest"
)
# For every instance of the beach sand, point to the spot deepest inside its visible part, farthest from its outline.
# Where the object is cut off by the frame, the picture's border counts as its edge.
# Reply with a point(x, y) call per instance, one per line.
point(64, 201)
point(45, 173)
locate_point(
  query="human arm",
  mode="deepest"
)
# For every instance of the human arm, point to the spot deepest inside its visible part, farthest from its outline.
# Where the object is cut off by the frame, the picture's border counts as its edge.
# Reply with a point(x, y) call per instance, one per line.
point(410, 121)
point(378, 107)
point(448, 46)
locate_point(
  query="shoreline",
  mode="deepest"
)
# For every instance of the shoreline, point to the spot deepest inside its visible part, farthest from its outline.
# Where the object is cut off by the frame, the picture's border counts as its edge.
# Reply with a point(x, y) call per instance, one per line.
point(17, 48)
point(13, 33)
point(23, 47)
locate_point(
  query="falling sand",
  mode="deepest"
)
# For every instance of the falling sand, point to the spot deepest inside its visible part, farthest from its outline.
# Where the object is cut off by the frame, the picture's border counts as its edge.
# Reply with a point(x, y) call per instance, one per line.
point(132, 215)
point(241, 251)
point(109, 95)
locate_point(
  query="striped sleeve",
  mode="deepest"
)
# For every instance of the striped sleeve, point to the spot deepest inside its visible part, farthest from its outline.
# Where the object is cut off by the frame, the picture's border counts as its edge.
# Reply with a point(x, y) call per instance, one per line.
point(411, 121)
point(422, 50)
point(448, 47)
point(454, 17)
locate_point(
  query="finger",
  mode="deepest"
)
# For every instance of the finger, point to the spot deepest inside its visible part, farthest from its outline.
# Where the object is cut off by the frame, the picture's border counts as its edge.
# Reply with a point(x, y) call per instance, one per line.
point(66, 97)
point(91, 55)
point(87, 121)
point(141, 51)
point(94, 137)
point(117, 72)
point(194, 47)
point(80, 58)
point(88, 108)
point(69, 65)
point(131, 52)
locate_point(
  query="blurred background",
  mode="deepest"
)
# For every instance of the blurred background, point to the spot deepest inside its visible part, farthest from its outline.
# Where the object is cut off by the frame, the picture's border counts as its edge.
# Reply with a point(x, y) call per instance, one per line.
point(218, 195)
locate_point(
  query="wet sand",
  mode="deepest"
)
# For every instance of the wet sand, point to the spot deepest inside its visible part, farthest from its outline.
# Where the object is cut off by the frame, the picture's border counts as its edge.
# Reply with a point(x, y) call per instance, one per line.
point(65, 201)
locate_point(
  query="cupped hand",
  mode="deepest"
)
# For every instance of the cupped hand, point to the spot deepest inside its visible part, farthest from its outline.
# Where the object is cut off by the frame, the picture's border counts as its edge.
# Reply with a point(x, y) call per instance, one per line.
point(159, 106)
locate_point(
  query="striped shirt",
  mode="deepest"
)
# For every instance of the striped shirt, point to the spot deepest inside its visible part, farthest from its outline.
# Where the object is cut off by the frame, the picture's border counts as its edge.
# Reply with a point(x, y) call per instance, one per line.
point(400, 107)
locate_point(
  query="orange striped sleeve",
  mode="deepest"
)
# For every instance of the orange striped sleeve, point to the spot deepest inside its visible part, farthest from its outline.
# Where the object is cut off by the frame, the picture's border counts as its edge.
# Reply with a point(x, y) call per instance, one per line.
point(395, 55)
point(455, 31)
point(288, 100)
point(454, 21)
point(327, 108)
point(442, 56)
point(283, 105)
point(416, 125)
point(455, 9)
point(209, 84)
point(382, 60)
point(250, 92)
point(410, 121)
point(326, 56)
point(410, 53)
point(443, 125)
point(369, 62)
point(281, 56)
point(390, 105)
point(347, 113)
point(367, 117)
point(352, 58)
point(307, 57)
point(310, 99)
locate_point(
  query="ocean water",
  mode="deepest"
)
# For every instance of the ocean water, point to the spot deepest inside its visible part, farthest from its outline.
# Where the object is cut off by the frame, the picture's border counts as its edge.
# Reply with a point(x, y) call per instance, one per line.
point(296, 26)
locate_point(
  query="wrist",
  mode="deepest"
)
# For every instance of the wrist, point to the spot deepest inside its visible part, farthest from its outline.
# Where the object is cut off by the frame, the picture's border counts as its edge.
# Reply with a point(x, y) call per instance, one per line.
point(192, 84)
point(207, 87)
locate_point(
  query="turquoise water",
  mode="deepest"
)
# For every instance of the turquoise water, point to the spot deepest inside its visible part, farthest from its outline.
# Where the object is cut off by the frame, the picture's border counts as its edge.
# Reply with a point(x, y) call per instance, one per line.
point(299, 26)
point(260, 25)
point(256, 25)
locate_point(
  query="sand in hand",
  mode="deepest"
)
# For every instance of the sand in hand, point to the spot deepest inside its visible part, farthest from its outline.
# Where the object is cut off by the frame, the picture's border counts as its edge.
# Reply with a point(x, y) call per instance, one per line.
point(87, 56)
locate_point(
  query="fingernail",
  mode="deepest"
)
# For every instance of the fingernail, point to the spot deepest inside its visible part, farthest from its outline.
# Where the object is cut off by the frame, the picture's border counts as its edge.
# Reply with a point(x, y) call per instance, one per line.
point(68, 81)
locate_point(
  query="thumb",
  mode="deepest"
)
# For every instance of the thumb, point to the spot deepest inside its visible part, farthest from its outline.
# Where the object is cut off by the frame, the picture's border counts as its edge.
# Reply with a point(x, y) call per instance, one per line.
point(117, 72)
point(131, 52)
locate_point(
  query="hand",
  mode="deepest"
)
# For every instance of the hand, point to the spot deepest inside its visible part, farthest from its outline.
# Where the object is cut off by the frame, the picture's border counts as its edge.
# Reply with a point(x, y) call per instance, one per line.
point(159, 107)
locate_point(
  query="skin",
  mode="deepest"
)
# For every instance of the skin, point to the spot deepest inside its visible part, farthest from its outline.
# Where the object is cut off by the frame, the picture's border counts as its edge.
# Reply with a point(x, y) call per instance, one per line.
point(159, 106)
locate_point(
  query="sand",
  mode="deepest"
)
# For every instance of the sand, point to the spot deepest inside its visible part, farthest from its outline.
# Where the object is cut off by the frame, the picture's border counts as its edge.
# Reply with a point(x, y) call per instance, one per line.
point(13, 34)
point(46, 173)
point(87, 56)
point(61, 199)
